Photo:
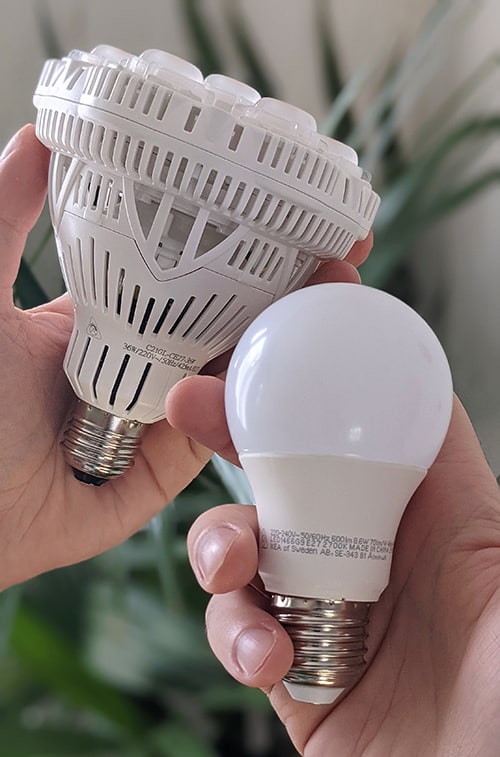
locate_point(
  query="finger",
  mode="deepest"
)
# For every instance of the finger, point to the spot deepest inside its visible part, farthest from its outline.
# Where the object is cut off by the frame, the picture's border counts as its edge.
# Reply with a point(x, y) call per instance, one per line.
point(222, 547)
point(360, 250)
point(23, 182)
point(456, 506)
point(335, 271)
point(195, 406)
point(252, 646)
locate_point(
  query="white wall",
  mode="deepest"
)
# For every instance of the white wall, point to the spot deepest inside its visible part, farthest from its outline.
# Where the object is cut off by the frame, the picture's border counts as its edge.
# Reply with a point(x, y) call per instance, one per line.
point(458, 264)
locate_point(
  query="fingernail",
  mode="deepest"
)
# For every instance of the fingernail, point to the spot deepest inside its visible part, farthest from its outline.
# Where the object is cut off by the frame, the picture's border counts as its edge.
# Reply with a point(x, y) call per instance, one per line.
point(252, 648)
point(211, 550)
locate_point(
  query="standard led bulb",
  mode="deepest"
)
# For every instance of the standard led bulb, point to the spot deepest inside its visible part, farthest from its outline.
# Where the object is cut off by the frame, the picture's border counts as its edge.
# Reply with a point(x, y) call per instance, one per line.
point(182, 207)
point(338, 398)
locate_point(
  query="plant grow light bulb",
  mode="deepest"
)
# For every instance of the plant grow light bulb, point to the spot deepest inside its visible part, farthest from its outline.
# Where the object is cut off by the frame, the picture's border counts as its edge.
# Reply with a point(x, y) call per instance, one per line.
point(338, 398)
point(182, 207)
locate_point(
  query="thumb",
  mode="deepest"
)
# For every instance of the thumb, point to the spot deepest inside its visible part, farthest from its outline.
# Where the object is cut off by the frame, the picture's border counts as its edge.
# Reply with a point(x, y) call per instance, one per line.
point(23, 183)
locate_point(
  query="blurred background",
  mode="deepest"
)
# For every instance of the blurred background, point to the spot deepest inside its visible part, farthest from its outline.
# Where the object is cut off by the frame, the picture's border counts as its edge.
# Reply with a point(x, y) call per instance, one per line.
point(110, 657)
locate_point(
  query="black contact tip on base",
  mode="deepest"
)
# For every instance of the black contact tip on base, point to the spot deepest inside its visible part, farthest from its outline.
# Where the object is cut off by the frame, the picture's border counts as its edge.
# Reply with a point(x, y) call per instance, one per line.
point(88, 478)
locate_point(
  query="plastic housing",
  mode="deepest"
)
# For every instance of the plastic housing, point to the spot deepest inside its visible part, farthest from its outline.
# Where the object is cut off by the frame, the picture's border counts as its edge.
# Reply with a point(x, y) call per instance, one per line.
point(182, 207)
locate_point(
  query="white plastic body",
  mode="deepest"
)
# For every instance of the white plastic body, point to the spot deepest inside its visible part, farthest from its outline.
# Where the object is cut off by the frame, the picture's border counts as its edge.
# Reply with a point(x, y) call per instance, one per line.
point(328, 524)
point(182, 207)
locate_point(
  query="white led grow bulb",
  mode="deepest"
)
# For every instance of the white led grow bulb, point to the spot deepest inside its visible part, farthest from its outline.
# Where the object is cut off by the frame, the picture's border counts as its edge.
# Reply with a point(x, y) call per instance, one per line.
point(182, 207)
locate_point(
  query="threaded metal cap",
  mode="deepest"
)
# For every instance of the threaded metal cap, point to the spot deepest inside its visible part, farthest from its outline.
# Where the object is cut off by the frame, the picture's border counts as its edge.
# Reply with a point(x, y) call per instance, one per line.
point(328, 637)
point(99, 445)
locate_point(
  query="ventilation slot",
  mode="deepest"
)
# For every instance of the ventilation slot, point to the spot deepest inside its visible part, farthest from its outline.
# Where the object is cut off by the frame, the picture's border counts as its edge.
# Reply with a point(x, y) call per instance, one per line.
point(235, 323)
point(106, 280)
point(118, 379)
point(192, 118)
point(135, 89)
point(163, 316)
point(147, 315)
point(200, 316)
point(217, 317)
point(314, 171)
point(163, 105)
point(237, 196)
point(250, 204)
point(61, 166)
point(119, 291)
point(291, 159)
point(122, 151)
point(301, 259)
point(346, 192)
point(277, 153)
point(82, 358)
point(99, 369)
point(221, 195)
point(121, 88)
point(77, 264)
point(264, 148)
point(263, 208)
point(140, 387)
point(180, 317)
point(133, 304)
point(303, 165)
point(235, 137)
point(153, 157)
point(234, 257)
point(93, 288)
point(148, 98)
point(209, 185)
point(180, 173)
point(72, 80)
point(138, 156)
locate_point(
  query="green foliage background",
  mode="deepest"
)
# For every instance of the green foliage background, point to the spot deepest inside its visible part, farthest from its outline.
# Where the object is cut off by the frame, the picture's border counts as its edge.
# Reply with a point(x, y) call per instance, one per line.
point(109, 657)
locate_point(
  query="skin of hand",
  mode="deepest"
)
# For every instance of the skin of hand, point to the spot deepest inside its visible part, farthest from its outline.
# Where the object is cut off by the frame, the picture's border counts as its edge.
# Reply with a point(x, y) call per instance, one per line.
point(432, 686)
point(47, 518)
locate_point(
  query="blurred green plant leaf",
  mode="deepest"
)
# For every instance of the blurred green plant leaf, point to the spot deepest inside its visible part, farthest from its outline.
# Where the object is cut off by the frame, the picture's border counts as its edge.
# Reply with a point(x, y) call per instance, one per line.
point(234, 696)
point(173, 739)
point(52, 660)
point(53, 742)
point(205, 48)
point(27, 290)
point(9, 603)
point(333, 80)
point(257, 75)
point(47, 29)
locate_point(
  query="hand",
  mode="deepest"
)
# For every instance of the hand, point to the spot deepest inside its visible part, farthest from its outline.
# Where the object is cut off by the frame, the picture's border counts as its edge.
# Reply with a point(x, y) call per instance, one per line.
point(47, 518)
point(432, 687)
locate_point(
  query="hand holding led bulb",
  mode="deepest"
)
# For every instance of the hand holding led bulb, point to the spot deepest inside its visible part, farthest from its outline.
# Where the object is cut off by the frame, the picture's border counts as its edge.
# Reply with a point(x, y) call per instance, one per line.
point(48, 518)
point(433, 687)
point(338, 400)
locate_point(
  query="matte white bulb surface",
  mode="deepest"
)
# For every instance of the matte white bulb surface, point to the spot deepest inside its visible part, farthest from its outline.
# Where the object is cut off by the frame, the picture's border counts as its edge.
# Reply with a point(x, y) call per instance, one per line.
point(338, 398)
point(182, 207)
point(340, 369)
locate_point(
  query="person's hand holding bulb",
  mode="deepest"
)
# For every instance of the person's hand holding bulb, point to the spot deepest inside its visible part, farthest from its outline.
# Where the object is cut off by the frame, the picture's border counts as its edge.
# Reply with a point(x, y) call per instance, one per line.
point(47, 518)
point(432, 686)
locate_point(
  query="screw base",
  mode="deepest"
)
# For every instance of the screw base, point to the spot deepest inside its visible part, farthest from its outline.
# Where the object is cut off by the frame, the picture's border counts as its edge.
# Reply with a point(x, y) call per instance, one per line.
point(99, 445)
point(328, 637)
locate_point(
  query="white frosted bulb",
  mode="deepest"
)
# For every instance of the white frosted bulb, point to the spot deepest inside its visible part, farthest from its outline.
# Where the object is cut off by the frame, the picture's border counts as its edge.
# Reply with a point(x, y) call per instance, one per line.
point(338, 398)
point(181, 209)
